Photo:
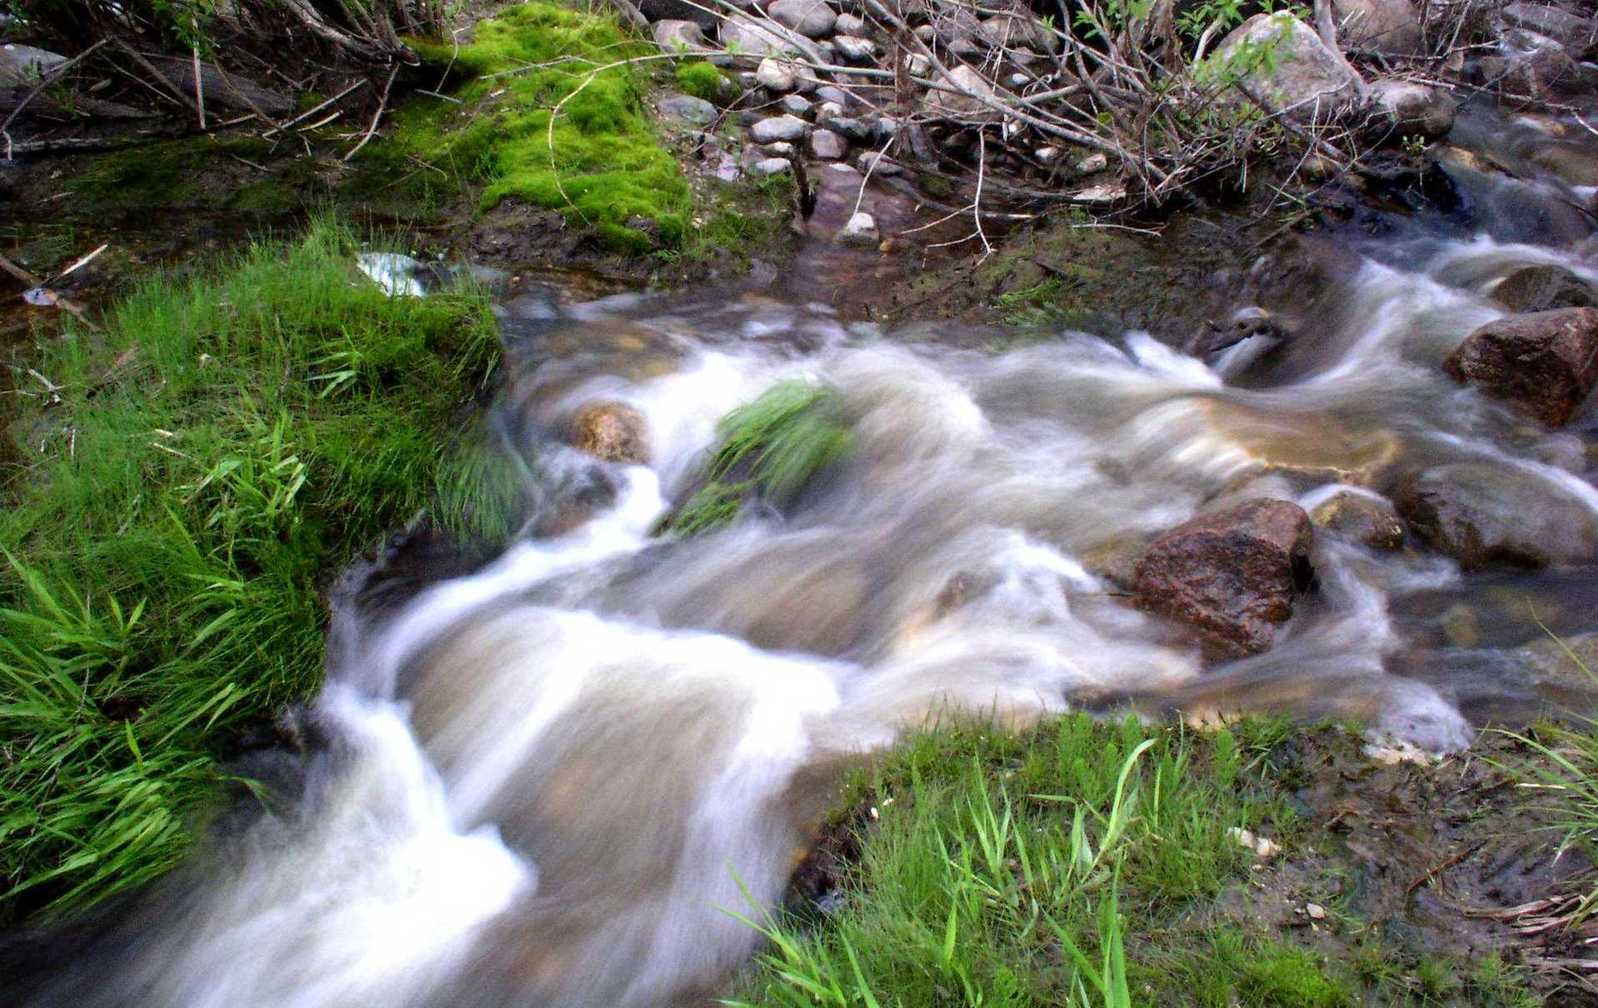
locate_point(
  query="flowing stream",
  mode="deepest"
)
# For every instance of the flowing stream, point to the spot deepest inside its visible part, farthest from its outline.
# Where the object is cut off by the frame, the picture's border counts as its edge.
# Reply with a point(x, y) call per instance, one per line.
point(558, 780)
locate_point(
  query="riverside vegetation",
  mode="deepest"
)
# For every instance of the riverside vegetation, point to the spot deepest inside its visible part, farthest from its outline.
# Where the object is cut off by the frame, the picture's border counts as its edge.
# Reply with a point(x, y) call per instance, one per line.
point(203, 465)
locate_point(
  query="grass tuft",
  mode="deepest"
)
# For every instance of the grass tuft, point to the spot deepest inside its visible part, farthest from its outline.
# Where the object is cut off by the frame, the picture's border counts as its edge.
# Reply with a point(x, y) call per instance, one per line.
point(217, 453)
point(768, 449)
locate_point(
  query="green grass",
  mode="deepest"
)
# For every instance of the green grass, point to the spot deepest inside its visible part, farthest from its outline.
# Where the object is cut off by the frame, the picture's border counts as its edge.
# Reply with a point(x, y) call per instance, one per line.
point(216, 454)
point(1019, 870)
point(1085, 863)
point(606, 165)
point(768, 449)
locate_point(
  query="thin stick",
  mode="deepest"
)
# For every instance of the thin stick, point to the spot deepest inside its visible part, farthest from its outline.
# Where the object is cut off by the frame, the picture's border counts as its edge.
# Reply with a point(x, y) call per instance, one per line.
point(307, 114)
point(382, 105)
point(199, 87)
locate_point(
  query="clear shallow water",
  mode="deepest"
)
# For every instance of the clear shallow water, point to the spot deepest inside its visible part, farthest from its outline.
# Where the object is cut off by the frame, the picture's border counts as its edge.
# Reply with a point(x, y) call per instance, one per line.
point(556, 781)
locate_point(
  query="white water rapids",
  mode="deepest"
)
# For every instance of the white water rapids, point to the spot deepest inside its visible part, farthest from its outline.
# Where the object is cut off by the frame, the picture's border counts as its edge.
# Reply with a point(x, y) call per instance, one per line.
point(555, 781)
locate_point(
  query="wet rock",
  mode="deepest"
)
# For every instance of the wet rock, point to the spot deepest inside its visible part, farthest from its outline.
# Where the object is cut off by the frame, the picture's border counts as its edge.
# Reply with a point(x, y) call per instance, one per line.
point(783, 127)
point(1362, 518)
point(757, 38)
point(688, 109)
point(1300, 76)
point(1115, 559)
point(1407, 108)
point(963, 96)
point(1543, 364)
point(1544, 288)
point(1485, 515)
point(775, 75)
point(1231, 574)
point(611, 431)
point(813, 18)
point(855, 49)
point(1389, 27)
point(676, 36)
point(1530, 64)
point(860, 231)
point(1578, 33)
point(796, 105)
point(827, 145)
point(1573, 164)
point(771, 166)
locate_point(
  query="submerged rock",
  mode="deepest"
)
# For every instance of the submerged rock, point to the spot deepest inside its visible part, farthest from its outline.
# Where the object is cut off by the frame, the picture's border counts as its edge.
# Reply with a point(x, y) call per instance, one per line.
point(1484, 515)
point(1544, 288)
point(611, 431)
point(1362, 518)
point(1542, 364)
point(1231, 574)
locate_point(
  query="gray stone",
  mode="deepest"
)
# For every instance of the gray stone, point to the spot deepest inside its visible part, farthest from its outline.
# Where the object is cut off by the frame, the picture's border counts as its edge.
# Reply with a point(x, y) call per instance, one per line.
point(828, 110)
point(854, 129)
point(1389, 27)
point(860, 231)
point(783, 127)
point(781, 148)
point(1285, 64)
point(1046, 155)
point(833, 93)
point(960, 97)
point(26, 63)
point(849, 24)
point(772, 166)
point(953, 23)
point(919, 65)
point(855, 50)
point(1018, 30)
point(1568, 29)
point(688, 109)
point(827, 145)
point(878, 163)
point(1544, 288)
point(1409, 108)
point(757, 38)
point(796, 105)
point(775, 75)
point(807, 17)
point(1093, 163)
point(677, 36)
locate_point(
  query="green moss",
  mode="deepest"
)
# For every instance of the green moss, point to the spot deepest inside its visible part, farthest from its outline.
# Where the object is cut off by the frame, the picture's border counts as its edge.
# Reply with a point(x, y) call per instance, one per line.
point(602, 163)
point(220, 451)
point(702, 80)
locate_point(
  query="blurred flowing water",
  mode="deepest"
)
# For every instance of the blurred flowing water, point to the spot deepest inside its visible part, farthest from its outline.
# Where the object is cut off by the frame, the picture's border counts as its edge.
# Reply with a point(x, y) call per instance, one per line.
point(556, 781)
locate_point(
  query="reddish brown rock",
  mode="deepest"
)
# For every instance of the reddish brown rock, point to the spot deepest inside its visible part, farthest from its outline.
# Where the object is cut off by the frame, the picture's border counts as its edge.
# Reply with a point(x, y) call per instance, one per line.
point(1542, 364)
point(611, 431)
point(1231, 574)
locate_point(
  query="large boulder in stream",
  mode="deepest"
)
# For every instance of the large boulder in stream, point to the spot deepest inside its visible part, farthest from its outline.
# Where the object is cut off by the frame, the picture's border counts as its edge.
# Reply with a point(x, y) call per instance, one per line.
point(1485, 515)
point(1544, 288)
point(1232, 575)
point(1542, 364)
